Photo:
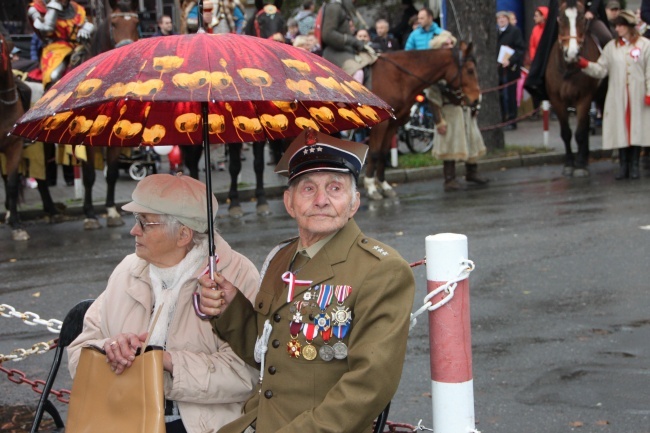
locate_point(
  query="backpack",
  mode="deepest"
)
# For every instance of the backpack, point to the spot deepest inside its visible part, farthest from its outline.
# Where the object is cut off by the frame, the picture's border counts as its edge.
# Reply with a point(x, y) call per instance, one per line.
point(318, 26)
point(268, 21)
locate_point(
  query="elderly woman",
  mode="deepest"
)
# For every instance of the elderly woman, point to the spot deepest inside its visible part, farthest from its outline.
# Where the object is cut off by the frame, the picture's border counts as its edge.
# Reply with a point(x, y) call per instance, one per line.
point(626, 60)
point(206, 384)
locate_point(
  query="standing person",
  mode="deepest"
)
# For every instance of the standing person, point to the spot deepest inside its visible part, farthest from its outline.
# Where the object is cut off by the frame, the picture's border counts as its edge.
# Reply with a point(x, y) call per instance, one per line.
point(338, 42)
point(511, 39)
point(292, 31)
point(306, 18)
point(333, 305)
point(426, 30)
point(539, 17)
point(165, 26)
point(384, 42)
point(626, 60)
point(458, 137)
point(404, 27)
point(205, 383)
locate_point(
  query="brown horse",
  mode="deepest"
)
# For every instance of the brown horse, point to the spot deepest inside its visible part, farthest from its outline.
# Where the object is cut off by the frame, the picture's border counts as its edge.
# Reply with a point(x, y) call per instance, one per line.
point(414, 71)
point(120, 29)
point(567, 86)
point(10, 145)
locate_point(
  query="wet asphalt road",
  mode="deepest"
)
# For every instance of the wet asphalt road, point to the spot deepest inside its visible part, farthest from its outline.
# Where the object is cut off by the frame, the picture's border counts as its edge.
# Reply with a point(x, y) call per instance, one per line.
point(560, 295)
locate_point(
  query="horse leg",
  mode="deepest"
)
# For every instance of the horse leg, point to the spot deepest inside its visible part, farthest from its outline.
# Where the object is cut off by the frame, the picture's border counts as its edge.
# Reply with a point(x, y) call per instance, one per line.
point(191, 157)
point(234, 168)
point(385, 187)
point(88, 174)
point(565, 134)
point(377, 134)
point(113, 218)
point(582, 139)
point(258, 167)
point(51, 212)
point(12, 191)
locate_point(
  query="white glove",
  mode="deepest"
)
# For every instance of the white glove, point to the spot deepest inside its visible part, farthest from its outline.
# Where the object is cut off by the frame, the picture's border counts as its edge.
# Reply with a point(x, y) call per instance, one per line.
point(370, 50)
point(86, 31)
point(34, 14)
point(54, 4)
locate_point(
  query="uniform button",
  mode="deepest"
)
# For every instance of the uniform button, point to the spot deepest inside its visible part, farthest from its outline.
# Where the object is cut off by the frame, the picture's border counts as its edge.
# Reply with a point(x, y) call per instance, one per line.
point(272, 370)
point(277, 318)
point(276, 344)
point(364, 241)
point(260, 305)
point(268, 393)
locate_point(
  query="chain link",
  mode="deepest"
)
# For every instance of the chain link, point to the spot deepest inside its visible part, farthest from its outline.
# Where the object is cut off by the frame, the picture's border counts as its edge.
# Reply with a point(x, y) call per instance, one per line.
point(30, 318)
point(36, 349)
point(18, 377)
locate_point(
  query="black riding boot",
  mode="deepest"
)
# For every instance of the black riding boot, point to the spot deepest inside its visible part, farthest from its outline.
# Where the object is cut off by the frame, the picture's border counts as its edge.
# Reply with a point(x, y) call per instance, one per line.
point(623, 167)
point(635, 154)
point(449, 171)
point(471, 174)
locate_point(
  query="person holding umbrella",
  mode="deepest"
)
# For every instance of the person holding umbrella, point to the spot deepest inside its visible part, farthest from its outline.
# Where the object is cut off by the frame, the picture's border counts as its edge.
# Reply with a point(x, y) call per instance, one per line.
point(332, 315)
point(206, 383)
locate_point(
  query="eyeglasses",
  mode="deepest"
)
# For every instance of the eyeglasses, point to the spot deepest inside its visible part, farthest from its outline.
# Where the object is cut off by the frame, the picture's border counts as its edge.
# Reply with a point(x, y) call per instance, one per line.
point(143, 224)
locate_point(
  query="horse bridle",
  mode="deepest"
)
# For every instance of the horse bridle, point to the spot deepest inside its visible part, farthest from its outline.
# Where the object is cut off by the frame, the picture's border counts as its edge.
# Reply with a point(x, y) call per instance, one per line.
point(579, 40)
point(455, 93)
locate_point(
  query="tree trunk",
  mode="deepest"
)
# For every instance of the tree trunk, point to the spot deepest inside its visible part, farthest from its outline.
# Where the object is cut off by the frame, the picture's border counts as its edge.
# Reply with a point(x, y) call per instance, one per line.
point(475, 21)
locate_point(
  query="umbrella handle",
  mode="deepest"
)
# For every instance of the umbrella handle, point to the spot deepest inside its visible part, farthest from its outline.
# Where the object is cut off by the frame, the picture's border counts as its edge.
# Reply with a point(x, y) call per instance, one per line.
point(196, 296)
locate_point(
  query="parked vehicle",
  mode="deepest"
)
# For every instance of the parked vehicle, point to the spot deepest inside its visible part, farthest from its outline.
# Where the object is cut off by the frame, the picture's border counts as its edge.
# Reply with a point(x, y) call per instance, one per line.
point(416, 135)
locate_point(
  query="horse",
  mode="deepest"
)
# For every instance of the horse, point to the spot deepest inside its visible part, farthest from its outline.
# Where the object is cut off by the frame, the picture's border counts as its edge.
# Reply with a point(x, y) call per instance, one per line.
point(10, 145)
point(414, 71)
point(567, 86)
point(120, 29)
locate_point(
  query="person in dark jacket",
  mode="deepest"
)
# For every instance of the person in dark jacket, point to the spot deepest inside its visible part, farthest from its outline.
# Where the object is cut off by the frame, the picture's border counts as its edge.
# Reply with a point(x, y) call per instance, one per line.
point(384, 41)
point(511, 42)
point(165, 26)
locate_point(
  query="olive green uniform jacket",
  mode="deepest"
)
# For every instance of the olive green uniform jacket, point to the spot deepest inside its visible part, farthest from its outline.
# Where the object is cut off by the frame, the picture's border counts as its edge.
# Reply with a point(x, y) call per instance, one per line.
point(297, 395)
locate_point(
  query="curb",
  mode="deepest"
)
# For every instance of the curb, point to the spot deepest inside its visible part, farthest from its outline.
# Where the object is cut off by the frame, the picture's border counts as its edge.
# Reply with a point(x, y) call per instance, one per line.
point(393, 176)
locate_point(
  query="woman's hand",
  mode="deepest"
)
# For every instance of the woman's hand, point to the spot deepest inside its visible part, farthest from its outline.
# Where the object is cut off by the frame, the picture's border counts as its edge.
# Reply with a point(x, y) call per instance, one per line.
point(120, 350)
point(216, 294)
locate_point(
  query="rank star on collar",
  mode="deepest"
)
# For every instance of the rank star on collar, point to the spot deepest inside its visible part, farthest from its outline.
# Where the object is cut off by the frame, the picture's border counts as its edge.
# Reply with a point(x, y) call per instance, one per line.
point(380, 250)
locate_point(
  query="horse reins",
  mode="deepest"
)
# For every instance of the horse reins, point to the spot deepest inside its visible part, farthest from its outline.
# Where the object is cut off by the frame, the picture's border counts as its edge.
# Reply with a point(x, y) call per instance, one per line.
point(458, 93)
point(13, 89)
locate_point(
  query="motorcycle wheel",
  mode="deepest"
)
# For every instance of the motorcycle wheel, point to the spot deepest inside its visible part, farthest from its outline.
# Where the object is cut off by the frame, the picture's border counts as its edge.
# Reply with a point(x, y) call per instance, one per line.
point(421, 141)
point(138, 171)
point(403, 146)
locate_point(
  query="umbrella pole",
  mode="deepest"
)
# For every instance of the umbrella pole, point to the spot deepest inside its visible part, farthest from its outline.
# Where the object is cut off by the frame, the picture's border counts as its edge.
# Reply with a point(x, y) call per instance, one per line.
point(208, 186)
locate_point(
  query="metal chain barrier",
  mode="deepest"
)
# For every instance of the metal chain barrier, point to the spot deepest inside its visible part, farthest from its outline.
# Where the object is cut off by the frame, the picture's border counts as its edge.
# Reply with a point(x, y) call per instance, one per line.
point(36, 349)
point(18, 377)
point(502, 86)
point(31, 319)
point(466, 267)
point(502, 124)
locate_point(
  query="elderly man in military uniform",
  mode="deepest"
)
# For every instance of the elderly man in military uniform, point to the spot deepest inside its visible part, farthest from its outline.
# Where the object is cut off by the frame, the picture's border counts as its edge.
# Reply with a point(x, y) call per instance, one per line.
point(332, 315)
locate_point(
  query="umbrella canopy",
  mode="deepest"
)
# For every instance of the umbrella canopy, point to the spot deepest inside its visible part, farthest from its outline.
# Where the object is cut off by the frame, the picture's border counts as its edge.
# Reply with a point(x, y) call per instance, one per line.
point(151, 92)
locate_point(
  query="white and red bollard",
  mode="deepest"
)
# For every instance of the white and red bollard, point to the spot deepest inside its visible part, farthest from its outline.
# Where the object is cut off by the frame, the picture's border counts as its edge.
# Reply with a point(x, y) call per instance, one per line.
point(394, 160)
point(546, 115)
point(452, 382)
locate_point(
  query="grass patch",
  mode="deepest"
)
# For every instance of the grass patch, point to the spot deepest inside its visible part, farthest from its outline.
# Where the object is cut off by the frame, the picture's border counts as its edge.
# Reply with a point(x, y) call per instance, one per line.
point(413, 160)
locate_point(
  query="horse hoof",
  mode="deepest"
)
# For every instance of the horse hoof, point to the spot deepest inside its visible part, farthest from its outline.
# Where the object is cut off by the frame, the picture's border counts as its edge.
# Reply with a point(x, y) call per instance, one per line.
point(263, 210)
point(375, 195)
point(580, 172)
point(54, 219)
point(114, 221)
point(567, 171)
point(389, 193)
point(91, 224)
point(19, 235)
point(235, 212)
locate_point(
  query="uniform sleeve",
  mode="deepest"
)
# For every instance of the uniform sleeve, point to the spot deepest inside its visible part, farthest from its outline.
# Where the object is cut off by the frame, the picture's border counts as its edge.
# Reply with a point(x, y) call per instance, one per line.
point(377, 346)
point(330, 34)
point(238, 326)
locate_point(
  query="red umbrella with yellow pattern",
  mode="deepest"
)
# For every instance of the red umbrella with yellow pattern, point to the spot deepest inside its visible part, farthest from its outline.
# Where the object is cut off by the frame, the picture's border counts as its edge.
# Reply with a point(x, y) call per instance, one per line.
point(200, 89)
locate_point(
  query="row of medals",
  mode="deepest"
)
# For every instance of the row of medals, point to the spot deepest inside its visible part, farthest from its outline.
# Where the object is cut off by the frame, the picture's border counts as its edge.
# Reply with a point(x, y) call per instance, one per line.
point(342, 316)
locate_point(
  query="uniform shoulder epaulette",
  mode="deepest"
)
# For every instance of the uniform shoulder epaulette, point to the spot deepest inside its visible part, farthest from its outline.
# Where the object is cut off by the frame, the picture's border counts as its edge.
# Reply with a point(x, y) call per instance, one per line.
point(375, 247)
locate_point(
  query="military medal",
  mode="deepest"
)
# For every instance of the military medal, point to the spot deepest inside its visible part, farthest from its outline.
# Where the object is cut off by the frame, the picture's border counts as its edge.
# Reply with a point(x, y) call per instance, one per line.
point(293, 346)
point(326, 352)
point(341, 316)
point(309, 352)
point(340, 349)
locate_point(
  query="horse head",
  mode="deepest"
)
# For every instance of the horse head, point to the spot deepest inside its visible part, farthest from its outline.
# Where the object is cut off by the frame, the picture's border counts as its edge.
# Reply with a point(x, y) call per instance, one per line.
point(572, 27)
point(462, 80)
point(124, 22)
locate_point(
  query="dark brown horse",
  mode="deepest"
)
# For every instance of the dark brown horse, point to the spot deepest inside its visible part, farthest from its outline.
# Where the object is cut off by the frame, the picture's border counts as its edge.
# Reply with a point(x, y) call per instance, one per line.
point(10, 145)
point(414, 71)
point(121, 28)
point(567, 86)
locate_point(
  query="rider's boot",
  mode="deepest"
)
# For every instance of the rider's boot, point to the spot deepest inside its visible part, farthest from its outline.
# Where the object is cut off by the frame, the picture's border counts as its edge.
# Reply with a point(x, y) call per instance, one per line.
point(471, 174)
point(635, 154)
point(623, 167)
point(449, 171)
